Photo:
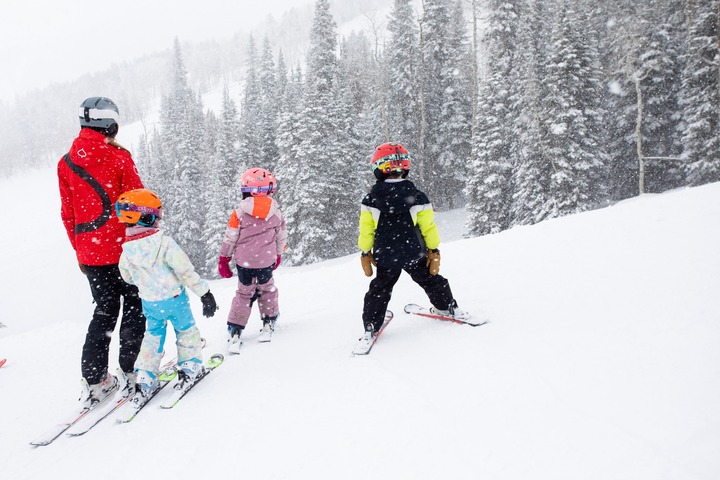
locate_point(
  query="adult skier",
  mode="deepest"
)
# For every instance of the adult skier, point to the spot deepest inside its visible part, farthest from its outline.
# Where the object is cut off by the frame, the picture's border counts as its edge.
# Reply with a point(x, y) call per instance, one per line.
point(91, 176)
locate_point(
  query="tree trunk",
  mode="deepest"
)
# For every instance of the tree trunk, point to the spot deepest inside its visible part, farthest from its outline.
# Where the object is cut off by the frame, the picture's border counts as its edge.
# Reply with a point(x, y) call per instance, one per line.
point(638, 137)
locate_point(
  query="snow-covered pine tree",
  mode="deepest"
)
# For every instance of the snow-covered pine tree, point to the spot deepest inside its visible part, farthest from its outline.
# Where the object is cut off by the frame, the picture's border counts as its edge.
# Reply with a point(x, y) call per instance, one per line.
point(489, 189)
point(173, 131)
point(288, 165)
point(642, 67)
point(267, 114)
point(250, 137)
point(618, 22)
point(701, 93)
point(533, 168)
point(456, 113)
point(223, 183)
point(661, 65)
point(573, 117)
point(401, 70)
point(322, 153)
point(231, 164)
point(180, 159)
point(357, 70)
point(435, 162)
point(189, 209)
point(143, 158)
point(214, 220)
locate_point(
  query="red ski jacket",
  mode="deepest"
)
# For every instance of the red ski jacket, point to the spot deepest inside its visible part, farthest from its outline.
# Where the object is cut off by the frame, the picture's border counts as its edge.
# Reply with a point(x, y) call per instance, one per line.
point(92, 176)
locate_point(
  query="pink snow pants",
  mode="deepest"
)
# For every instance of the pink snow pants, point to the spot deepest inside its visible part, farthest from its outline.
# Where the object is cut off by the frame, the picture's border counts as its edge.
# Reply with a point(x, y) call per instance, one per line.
point(241, 306)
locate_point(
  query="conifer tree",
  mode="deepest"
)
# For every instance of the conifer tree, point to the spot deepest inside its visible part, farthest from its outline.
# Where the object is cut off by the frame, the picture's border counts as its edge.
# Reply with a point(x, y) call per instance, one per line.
point(320, 197)
point(174, 134)
point(642, 63)
point(489, 189)
point(660, 87)
point(455, 122)
point(251, 106)
point(189, 209)
point(701, 93)
point(444, 91)
point(288, 166)
point(215, 218)
point(230, 163)
point(181, 160)
point(401, 70)
point(222, 184)
point(573, 118)
point(533, 167)
point(435, 81)
point(267, 113)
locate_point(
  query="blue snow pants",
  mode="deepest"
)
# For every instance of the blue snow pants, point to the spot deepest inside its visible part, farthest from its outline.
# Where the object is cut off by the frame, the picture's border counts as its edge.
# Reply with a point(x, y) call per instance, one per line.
point(177, 311)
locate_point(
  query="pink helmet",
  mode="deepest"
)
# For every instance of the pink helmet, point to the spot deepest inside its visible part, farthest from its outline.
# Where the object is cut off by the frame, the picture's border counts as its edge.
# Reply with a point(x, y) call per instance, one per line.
point(258, 182)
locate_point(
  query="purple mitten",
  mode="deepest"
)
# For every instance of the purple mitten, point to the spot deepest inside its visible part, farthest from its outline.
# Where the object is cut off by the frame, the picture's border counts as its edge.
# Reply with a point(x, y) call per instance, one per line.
point(224, 267)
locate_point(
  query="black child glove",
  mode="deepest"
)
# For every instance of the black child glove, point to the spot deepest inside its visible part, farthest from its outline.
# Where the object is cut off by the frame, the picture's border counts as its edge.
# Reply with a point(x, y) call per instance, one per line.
point(209, 305)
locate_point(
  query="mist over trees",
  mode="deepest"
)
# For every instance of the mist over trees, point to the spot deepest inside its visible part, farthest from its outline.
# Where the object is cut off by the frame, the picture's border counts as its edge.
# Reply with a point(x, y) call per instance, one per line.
point(518, 110)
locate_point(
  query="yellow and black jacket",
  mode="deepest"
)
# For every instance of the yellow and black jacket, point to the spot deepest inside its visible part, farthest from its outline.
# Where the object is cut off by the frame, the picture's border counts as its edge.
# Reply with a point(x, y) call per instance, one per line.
point(397, 222)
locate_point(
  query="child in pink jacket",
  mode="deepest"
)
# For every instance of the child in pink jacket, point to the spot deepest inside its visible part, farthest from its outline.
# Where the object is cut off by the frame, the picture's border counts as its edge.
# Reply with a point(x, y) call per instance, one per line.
point(255, 236)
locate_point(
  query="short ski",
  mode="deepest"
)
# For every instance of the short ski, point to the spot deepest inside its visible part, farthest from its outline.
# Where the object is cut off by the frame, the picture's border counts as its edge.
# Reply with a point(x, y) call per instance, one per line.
point(179, 392)
point(363, 347)
point(98, 415)
point(52, 435)
point(135, 404)
point(83, 427)
point(426, 312)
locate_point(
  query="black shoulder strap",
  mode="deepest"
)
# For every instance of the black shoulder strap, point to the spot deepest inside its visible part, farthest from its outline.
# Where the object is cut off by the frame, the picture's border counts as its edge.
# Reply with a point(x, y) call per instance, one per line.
point(104, 198)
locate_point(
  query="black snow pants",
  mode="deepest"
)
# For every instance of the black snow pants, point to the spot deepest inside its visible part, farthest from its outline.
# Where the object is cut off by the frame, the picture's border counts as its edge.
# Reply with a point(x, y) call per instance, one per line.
point(108, 289)
point(378, 296)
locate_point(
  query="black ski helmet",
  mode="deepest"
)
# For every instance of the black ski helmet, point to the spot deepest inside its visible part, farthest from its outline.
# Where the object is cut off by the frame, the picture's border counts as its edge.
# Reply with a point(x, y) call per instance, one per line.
point(101, 114)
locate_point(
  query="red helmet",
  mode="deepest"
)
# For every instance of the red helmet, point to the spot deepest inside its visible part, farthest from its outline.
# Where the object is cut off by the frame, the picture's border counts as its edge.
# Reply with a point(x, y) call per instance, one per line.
point(390, 158)
point(258, 182)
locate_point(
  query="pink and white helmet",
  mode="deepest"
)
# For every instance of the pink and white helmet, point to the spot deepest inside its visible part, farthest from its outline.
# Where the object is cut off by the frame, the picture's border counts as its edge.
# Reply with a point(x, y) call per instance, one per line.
point(258, 182)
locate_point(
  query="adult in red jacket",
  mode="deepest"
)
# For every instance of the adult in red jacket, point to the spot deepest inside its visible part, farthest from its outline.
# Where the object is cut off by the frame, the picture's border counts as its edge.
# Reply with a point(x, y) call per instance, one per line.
point(92, 175)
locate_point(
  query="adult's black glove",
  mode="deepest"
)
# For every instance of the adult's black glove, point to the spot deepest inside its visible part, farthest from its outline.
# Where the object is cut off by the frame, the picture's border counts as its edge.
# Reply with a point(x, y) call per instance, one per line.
point(209, 305)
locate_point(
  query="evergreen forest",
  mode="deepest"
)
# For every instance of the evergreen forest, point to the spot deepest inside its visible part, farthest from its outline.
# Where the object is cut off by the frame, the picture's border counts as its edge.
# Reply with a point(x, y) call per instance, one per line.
point(517, 110)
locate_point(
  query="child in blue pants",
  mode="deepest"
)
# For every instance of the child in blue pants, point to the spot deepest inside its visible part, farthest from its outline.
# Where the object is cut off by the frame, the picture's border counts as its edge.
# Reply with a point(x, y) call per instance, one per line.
point(162, 272)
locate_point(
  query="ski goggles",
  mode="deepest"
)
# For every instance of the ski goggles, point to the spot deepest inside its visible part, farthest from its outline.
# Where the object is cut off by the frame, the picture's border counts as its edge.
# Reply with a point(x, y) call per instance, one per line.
point(258, 189)
point(129, 207)
point(392, 163)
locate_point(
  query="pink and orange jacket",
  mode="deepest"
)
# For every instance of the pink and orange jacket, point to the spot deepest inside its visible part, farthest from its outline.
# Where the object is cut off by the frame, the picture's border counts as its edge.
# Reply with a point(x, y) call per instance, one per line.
point(256, 233)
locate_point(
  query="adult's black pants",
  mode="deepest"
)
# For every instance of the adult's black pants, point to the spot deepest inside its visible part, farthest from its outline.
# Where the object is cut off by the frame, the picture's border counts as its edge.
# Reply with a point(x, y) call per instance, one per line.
point(111, 293)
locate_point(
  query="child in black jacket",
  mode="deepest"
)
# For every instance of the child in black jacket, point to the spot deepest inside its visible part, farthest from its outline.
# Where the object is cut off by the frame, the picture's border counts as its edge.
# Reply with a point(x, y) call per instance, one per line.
point(398, 232)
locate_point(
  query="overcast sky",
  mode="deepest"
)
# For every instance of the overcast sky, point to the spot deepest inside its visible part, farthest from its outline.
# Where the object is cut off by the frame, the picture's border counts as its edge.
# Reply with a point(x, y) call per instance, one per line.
point(45, 41)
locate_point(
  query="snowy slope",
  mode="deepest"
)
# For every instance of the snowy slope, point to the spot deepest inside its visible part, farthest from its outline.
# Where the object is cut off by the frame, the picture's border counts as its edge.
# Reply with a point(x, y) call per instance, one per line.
point(600, 360)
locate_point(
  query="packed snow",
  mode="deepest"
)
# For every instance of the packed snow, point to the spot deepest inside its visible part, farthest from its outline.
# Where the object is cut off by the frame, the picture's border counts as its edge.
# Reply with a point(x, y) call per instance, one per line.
point(600, 360)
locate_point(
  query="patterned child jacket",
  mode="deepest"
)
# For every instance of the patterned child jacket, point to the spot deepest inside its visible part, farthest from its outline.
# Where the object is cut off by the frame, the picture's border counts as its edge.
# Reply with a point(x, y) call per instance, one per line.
point(397, 222)
point(255, 234)
point(90, 181)
point(159, 268)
